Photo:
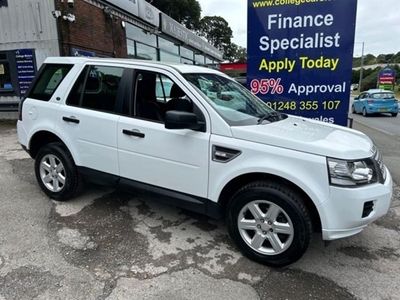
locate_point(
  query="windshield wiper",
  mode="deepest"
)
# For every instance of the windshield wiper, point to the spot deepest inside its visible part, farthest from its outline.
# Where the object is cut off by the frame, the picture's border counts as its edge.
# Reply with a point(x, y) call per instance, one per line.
point(272, 117)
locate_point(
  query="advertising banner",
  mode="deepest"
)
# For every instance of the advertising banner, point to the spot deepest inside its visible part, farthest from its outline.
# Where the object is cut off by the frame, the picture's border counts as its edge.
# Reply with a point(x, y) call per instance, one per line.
point(387, 79)
point(26, 68)
point(300, 56)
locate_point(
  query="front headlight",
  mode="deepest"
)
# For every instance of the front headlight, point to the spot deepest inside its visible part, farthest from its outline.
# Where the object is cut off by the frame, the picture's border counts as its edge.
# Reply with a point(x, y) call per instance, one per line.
point(351, 173)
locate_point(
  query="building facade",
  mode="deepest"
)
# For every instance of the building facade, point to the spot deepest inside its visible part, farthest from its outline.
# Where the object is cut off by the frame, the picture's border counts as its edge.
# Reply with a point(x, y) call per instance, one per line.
point(32, 30)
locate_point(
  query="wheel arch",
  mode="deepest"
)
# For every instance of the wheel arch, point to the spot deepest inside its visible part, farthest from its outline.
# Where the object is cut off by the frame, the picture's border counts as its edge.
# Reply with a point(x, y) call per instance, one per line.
point(41, 138)
point(236, 183)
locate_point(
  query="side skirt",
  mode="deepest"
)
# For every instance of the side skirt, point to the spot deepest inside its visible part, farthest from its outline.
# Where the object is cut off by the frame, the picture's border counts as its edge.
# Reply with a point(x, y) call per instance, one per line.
point(185, 201)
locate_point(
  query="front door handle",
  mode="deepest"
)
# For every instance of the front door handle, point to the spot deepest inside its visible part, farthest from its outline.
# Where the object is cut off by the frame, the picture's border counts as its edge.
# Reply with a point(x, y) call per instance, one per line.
point(136, 133)
point(71, 120)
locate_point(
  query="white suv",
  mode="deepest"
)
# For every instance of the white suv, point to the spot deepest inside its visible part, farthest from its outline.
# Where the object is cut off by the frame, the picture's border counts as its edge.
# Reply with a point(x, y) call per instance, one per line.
point(202, 142)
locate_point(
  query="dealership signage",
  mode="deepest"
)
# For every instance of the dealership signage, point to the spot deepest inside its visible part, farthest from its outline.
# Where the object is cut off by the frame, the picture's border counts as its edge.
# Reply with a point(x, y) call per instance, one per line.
point(26, 68)
point(149, 13)
point(387, 79)
point(130, 6)
point(82, 53)
point(300, 56)
point(175, 29)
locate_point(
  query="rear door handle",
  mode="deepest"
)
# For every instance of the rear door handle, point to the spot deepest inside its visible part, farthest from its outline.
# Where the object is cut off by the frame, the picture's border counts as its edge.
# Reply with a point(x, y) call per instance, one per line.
point(71, 120)
point(136, 133)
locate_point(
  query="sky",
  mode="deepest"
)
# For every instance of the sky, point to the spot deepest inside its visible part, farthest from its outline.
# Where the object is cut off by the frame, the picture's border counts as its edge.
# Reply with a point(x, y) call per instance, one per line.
point(378, 23)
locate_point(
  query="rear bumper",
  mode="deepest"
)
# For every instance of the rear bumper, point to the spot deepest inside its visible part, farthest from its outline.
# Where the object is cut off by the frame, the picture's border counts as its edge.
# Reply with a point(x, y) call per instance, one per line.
point(371, 109)
point(346, 207)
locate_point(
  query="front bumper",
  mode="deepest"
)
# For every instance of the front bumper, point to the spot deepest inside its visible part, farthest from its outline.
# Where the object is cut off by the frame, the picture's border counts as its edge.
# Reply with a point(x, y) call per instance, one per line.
point(346, 206)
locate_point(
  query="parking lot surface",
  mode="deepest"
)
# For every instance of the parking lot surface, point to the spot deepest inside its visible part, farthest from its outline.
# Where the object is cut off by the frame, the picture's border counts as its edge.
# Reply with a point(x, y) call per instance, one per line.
point(108, 244)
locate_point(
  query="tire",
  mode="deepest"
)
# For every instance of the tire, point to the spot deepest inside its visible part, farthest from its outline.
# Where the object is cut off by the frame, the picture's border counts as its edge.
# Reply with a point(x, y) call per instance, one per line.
point(394, 115)
point(68, 180)
point(270, 197)
point(364, 112)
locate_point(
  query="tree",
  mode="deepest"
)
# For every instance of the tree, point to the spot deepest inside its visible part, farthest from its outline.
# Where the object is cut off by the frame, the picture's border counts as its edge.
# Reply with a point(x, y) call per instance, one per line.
point(217, 32)
point(186, 12)
point(235, 53)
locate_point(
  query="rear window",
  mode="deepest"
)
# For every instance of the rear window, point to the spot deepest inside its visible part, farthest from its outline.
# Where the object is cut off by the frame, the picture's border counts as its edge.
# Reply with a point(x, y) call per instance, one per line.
point(382, 96)
point(49, 80)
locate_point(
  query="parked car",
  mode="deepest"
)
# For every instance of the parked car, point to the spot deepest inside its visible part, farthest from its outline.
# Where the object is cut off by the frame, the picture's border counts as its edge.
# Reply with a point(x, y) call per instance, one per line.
point(376, 101)
point(208, 145)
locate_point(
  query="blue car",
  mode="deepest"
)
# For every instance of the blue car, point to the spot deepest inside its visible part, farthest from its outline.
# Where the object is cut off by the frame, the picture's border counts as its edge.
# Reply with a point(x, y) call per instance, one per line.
point(375, 101)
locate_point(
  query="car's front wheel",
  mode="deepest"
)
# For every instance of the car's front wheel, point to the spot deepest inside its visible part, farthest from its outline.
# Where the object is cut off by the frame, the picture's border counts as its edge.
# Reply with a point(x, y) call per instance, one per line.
point(56, 172)
point(270, 223)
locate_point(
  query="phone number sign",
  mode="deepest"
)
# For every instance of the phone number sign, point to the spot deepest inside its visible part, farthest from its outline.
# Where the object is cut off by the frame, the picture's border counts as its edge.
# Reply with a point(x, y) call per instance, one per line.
point(300, 56)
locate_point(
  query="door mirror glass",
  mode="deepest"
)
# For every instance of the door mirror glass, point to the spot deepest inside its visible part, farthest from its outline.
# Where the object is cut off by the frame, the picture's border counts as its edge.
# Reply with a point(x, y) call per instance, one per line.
point(175, 119)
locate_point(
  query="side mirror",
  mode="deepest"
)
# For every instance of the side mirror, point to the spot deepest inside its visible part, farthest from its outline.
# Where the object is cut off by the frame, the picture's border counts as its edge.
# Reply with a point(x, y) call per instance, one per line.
point(175, 119)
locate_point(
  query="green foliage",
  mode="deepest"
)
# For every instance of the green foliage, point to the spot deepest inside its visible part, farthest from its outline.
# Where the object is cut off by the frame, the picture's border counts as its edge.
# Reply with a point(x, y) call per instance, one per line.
point(235, 53)
point(186, 12)
point(370, 59)
point(217, 32)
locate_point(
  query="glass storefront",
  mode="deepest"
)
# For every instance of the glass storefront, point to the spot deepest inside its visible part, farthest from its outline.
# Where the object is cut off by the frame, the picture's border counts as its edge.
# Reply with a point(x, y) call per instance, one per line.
point(147, 45)
point(200, 59)
point(146, 52)
point(169, 51)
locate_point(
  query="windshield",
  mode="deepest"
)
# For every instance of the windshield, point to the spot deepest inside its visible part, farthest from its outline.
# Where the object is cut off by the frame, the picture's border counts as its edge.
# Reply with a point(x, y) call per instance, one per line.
point(382, 96)
point(236, 105)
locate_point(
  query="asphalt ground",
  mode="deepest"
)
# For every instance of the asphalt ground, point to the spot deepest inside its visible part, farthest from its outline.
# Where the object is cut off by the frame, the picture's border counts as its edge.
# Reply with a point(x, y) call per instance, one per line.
point(108, 244)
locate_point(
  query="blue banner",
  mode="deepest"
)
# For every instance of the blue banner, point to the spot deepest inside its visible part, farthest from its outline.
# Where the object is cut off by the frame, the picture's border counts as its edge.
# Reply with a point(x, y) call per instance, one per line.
point(300, 56)
point(82, 53)
point(26, 68)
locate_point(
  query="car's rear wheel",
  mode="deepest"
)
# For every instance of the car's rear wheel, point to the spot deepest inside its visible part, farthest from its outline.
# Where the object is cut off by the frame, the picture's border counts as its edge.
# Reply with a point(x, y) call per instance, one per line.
point(56, 172)
point(394, 115)
point(269, 223)
point(364, 112)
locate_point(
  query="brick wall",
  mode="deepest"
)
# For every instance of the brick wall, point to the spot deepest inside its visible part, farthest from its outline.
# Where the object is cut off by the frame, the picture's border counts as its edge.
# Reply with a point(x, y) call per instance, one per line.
point(92, 30)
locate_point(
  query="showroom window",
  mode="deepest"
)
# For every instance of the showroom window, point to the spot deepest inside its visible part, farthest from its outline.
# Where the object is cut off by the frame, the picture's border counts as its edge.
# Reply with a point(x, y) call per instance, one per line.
point(141, 44)
point(169, 52)
point(186, 53)
point(140, 35)
point(200, 59)
point(145, 52)
point(6, 84)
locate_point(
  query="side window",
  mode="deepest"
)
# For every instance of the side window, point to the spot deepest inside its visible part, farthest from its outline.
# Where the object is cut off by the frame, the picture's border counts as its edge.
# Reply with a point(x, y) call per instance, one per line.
point(163, 88)
point(155, 94)
point(101, 89)
point(49, 80)
point(97, 88)
point(74, 96)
